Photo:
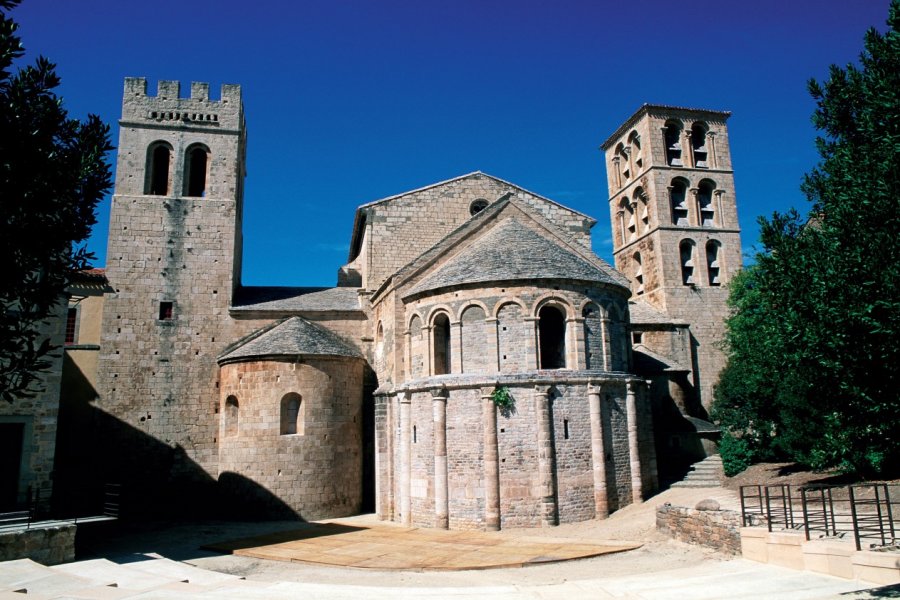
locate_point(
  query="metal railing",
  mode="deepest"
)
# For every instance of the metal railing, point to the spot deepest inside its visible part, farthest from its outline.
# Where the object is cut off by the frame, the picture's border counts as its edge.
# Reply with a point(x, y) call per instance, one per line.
point(869, 511)
point(36, 509)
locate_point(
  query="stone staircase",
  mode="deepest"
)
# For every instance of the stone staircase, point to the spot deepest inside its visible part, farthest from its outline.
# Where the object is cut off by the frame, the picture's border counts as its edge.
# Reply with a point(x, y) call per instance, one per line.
point(706, 473)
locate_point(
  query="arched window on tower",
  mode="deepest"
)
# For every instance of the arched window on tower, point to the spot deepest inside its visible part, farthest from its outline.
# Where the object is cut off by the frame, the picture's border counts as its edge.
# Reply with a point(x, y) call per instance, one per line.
point(698, 144)
point(638, 274)
point(672, 140)
point(196, 165)
point(634, 140)
point(441, 344)
point(705, 203)
point(678, 202)
point(629, 223)
point(624, 163)
point(291, 419)
point(232, 413)
point(552, 333)
point(642, 208)
point(713, 262)
point(686, 252)
point(159, 159)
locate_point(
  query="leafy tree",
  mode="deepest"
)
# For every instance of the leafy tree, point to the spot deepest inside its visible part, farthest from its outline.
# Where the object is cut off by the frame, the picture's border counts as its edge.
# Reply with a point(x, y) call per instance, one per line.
point(53, 171)
point(813, 341)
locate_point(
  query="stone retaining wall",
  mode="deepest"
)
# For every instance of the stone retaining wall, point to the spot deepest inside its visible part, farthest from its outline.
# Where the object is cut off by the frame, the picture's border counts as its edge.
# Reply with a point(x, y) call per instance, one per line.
point(47, 545)
point(717, 529)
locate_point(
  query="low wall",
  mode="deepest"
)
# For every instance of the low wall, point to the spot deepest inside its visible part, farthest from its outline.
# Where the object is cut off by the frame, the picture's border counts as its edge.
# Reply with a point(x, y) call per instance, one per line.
point(705, 525)
point(48, 545)
point(836, 557)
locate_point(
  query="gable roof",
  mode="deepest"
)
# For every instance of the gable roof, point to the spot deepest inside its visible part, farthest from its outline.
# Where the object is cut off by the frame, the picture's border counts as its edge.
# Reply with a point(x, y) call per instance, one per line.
point(643, 314)
point(512, 252)
point(295, 299)
point(294, 336)
point(361, 211)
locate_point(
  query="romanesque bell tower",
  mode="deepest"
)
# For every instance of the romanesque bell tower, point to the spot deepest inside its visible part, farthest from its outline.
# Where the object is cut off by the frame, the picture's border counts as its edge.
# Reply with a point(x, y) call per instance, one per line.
point(174, 262)
point(675, 225)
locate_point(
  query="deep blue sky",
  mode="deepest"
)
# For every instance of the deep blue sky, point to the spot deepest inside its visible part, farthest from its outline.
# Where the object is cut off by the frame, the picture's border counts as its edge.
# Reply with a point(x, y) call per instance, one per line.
point(351, 101)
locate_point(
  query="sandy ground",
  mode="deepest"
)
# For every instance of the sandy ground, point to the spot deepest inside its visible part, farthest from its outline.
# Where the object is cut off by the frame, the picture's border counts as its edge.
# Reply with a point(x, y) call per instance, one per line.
point(634, 523)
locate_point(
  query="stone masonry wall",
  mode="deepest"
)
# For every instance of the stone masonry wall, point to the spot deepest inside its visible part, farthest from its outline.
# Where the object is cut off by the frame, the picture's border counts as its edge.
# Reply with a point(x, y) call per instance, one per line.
point(717, 529)
point(46, 545)
point(422, 218)
point(316, 472)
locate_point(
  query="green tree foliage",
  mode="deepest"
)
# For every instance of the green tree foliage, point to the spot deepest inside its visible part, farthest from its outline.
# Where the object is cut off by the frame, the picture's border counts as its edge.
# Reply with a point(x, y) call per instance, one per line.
point(813, 344)
point(53, 171)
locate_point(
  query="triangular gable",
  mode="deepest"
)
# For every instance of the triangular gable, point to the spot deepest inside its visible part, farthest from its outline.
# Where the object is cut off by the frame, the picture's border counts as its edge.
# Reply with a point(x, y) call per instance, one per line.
point(458, 240)
point(362, 210)
point(294, 336)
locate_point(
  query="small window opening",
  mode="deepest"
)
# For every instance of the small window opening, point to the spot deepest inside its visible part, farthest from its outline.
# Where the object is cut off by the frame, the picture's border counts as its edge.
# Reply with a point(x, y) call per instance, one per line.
point(196, 162)
point(637, 337)
point(71, 321)
point(166, 311)
point(686, 249)
point(415, 435)
point(712, 263)
point(565, 429)
point(477, 206)
point(232, 410)
point(291, 422)
point(442, 345)
point(552, 332)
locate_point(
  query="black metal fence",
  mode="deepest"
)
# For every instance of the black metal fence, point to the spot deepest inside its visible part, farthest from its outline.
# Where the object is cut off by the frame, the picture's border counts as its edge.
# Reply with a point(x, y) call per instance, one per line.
point(867, 511)
point(37, 509)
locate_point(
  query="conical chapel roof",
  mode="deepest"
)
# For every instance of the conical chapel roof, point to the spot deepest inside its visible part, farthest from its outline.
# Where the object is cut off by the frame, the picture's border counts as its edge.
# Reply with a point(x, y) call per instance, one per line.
point(290, 337)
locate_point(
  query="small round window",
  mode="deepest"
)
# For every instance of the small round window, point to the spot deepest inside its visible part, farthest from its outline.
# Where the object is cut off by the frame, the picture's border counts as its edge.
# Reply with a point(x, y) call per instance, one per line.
point(477, 206)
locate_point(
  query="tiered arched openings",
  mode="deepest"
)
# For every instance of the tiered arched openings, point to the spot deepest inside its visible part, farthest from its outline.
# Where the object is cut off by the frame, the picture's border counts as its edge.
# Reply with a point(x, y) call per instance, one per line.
point(637, 157)
point(291, 415)
point(159, 169)
point(639, 200)
point(713, 262)
point(698, 145)
point(441, 344)
point(672, 140)
point(196, 167)
point(678, 202)
point(552, 334)
point(628, 222)
point(686, 252)
point(705, 191)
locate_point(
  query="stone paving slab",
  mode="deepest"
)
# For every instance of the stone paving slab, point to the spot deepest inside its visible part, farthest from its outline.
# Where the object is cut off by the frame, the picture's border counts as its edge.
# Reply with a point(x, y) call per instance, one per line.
point(409, 548)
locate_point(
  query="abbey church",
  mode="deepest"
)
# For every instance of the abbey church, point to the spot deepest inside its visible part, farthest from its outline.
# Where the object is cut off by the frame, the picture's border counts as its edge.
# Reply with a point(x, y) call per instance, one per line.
point(476, 366)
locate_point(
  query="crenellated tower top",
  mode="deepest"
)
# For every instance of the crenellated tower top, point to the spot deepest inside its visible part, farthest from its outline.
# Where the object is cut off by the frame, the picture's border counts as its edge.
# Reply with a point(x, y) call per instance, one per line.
point(138, 107)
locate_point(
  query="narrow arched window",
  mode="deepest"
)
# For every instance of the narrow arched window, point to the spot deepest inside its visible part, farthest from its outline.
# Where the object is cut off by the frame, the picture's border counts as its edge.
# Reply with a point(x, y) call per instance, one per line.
point(637, 156)
point(552, 333)
point(196, 165)
point(629, 222)
point(686, 252)
point(698, 145)
point(232, 414)
point(713, 262)
point(159, 159)
point(291, 421)
point(705, 203)
point(678, 202)
point(441, 344)
point(642, 209)
point(624, 161)
point(638, 274)
point(672, 140)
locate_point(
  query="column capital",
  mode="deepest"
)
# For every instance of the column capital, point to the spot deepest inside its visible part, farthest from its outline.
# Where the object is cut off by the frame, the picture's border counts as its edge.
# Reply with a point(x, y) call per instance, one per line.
point(405, 397)
point(594, 388)
point(487, 392)
point(694, 191)
point(543, 389)
point(439, 393)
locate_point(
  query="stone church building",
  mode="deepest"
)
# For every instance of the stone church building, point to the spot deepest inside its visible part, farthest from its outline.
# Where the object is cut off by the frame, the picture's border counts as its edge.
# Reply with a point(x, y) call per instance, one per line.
point(476, 366)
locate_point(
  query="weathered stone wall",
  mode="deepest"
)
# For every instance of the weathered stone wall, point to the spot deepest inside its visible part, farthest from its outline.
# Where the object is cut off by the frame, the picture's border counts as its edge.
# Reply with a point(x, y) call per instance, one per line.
point(36, 418)
point(525, 475)
point(316, 472)
point(47, 545)
point(717, 529)
point(423, 217)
